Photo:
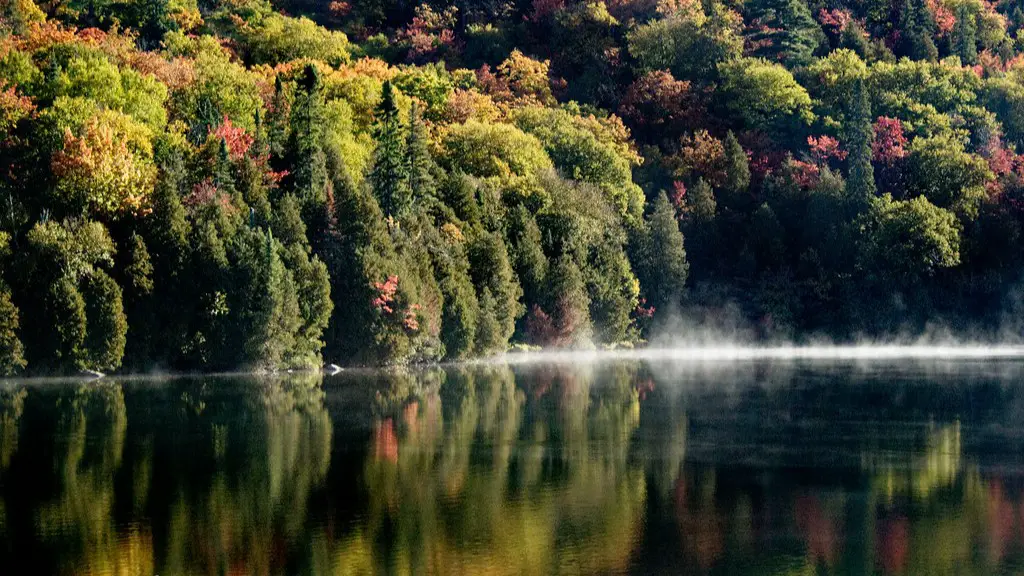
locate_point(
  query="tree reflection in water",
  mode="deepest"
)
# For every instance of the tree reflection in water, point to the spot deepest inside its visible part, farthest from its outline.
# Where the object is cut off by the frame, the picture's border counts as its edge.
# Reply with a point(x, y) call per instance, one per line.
point(540, 469)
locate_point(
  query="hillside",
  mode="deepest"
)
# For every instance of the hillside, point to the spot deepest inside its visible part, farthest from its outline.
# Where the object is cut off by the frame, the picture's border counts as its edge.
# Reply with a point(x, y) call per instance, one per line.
point(263, 185)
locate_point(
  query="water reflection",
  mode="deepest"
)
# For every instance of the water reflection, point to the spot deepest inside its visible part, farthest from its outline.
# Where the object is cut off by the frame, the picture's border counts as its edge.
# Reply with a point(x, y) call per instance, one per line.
point(536, 469)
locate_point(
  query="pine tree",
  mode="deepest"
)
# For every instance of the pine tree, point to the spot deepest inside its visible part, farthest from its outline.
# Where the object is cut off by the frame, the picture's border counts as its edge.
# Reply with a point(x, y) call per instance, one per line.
point(223, 179)
point(790, 34)
point(860, 183)
point(917, 30)
point(305, 149)
point(12, 354)
point(421, 181)
point(853, 37)
point(664, 268)
point(278, 117)
point(390, 173)
point(569, 304)
point(737, 169)
point(965, 36)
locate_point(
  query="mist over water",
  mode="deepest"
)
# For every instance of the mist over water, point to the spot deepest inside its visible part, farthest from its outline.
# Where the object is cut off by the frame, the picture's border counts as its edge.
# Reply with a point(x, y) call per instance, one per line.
point(727, 352)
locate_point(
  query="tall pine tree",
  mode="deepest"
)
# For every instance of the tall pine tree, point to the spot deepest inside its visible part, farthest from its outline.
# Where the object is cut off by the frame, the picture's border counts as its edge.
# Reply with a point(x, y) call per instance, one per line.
point(965, 36)
point(390, 175)
point(420, 164)
point(308, 162)
point(788, 32)
point(860, 183)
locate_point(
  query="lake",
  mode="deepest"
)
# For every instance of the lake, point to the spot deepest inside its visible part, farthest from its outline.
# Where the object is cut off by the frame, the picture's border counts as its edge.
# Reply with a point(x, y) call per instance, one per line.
point(620, 467)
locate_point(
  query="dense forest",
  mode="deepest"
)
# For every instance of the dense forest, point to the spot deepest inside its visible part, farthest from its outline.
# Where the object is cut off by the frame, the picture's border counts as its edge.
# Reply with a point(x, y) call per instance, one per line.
point(272, 184)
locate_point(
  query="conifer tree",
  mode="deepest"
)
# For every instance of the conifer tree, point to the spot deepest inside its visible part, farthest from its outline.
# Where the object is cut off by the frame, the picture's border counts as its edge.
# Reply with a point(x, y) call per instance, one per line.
point(737, 168)
point(853, 37)
point(860, 183)
point(421, 181)
point(664, 268)
point(790, 33)
point(965, 36)
point(305, 149)
point(278, 117)
point(390, 172)
point(917, 30)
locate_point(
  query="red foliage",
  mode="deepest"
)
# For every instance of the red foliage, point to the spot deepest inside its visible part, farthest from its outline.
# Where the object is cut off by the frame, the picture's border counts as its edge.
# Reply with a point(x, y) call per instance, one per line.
point(890, 143)
point(944, 18)
point(493, 85)
point(238, 142)
point(205, 194)
point(658, 103)
point(805, 174)
point(835, 20)
point(643, 310)
point(703, 155)
point(545, 8)
point(540, 330)
point(824, 148)
point(385, 294)
point(678, 197)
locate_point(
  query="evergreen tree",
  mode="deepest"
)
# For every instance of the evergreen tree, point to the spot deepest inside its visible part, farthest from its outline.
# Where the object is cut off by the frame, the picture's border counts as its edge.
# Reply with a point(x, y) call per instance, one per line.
point(12, 353)
point(223, 179)
point(107, 326)
point(860, 183)
point(789, 34)
point(569, 303)
point(527, 253)
point(390, 175)
point(854, 37)
point(917, 31)
point(965, 36)
point(737, 169)
point(664, 268)
point(278, 118)
point(491, 271)
point(308, 162)
point(418, 160)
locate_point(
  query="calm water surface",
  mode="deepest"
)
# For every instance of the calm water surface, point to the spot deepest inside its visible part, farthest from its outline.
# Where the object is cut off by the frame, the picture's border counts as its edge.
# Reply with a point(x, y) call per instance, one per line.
point(610, 468)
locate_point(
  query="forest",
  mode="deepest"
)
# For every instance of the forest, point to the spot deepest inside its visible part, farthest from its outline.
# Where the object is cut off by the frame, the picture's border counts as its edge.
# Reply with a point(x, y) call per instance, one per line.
point(205, 185)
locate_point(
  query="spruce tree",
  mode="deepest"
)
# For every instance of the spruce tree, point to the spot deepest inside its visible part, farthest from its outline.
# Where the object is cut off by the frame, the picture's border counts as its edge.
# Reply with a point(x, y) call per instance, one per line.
point(278, 117)
point(390, 172)
point(418, 160)
point(965, 36)
point(860, 183)
point(853, 37)
point(305, 148)
point(790, 34)
point(737, 170)
point(917, 30)
point(664, 269)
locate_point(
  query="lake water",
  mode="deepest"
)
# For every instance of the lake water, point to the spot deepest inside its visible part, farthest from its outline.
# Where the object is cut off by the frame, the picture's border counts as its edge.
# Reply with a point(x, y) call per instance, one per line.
point(624, 467)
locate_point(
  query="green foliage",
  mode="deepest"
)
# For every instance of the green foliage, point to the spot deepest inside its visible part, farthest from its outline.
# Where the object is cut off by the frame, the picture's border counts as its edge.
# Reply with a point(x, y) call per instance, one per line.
point(790, 34)
point(12, 353)
point(269, 199)
point(690, 44)
point(764, 94)
point(860, 135)
point(944, 173)
point(486, 150)
point(498, 290)
point(909, 239)
point(390, 176)
point(582, 151)
point(662, 265)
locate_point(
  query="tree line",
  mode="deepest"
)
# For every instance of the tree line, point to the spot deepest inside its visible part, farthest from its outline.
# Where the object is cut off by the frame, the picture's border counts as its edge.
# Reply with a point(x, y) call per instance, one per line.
point(245, 184)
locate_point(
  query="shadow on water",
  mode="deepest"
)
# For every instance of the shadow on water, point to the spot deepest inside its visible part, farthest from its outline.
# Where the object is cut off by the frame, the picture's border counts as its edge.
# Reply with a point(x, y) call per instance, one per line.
point(749, 467)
